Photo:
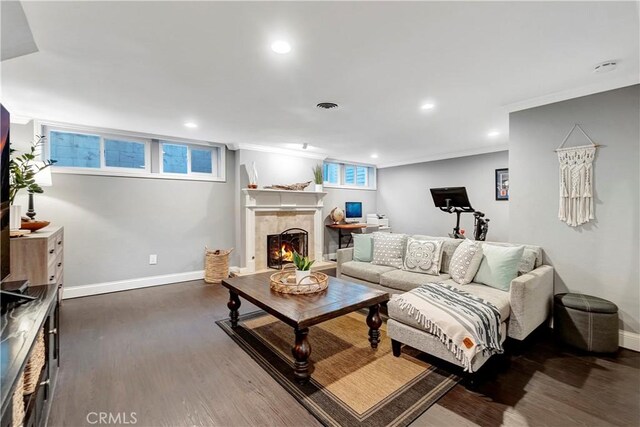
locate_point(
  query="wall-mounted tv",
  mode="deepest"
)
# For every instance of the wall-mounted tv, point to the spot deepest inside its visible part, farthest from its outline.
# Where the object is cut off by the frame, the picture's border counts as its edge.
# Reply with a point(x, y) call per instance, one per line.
point(5, 259)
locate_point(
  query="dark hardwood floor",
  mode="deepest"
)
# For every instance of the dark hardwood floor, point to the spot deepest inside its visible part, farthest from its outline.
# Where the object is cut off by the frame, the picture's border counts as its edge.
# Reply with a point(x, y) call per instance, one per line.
point(157, 352)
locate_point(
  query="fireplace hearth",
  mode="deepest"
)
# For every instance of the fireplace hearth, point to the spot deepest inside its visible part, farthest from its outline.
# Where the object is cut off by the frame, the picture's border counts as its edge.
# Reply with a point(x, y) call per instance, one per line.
point(280, 247)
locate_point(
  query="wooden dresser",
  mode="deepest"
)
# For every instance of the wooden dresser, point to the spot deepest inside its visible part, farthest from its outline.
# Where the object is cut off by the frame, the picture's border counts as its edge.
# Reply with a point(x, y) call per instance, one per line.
point(39, 257)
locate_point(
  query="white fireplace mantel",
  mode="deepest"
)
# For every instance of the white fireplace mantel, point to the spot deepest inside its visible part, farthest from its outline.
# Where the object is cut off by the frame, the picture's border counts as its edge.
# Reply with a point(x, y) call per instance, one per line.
point(269, 200)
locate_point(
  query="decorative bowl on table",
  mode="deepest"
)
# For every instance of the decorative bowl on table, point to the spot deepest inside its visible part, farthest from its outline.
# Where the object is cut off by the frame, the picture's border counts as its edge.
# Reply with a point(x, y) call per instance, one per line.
point(33, 225)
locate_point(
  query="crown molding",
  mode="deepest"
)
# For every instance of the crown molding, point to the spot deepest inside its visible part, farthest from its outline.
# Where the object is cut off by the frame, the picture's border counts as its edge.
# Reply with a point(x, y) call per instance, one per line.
point(603, 86)
point(445, 156)
point(277, 150)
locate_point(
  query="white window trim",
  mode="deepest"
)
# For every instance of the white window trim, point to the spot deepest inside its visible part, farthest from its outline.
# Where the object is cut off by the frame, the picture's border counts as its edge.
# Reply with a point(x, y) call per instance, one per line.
point(43, 128)
point(371, 181)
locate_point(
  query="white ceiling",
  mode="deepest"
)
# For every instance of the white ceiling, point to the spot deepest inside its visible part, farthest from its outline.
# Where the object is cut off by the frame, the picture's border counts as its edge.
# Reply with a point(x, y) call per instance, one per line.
point(151, 66)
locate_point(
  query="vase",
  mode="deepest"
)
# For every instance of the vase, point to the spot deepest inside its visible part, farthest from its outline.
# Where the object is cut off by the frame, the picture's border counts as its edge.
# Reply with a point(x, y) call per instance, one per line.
point(318, 188)
point(15, 217)
point(301, 275)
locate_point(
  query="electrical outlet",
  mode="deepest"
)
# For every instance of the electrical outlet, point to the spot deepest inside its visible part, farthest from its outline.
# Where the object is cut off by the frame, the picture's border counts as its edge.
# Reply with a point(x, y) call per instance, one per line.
point(153, 259)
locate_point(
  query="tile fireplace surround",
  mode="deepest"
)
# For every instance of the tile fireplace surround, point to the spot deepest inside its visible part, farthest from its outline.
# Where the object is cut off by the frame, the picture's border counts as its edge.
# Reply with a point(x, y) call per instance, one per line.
point(273, 211)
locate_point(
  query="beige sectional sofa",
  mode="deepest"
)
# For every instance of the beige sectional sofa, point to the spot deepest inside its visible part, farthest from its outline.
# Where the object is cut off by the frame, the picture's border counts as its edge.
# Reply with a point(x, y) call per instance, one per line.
point(522, 309)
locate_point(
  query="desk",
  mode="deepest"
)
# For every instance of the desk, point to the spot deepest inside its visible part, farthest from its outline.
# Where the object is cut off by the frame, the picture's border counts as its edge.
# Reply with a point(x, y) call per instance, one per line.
point(348, 228)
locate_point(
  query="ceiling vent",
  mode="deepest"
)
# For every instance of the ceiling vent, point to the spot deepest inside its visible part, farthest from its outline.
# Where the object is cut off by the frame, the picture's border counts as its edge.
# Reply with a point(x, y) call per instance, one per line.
point(605, 66)
point(327, 105)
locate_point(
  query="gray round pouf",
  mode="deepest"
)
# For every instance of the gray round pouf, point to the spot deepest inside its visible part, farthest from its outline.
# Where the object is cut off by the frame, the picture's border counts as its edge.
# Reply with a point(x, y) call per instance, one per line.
point(586, 322)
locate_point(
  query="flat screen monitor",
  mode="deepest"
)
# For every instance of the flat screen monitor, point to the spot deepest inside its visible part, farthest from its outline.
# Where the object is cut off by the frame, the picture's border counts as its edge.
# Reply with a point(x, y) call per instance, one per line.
point(353, 210)
point(456, 196)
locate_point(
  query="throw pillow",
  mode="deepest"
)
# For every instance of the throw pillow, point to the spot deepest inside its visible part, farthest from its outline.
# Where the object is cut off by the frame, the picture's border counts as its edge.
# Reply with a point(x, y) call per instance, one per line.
point(423, 256)
point(362, 247)
point(528, 261)
point(499, 265)
point(388, 249)
point(465, 261)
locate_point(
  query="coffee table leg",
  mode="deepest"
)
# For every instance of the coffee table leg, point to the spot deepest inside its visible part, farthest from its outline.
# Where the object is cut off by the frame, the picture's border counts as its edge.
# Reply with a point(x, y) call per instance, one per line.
point(234, 305)
point(374, 321)
point(301, 351)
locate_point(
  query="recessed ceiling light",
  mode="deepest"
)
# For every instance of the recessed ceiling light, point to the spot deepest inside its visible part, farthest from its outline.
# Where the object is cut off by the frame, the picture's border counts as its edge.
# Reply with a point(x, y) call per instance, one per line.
point(374, 156)
point(428, 106)
point(493, 134)
point(281, 46)
point(191, 125)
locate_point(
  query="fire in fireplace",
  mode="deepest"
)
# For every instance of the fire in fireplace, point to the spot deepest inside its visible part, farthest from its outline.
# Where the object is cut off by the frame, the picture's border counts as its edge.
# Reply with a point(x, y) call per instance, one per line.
point(280, 247)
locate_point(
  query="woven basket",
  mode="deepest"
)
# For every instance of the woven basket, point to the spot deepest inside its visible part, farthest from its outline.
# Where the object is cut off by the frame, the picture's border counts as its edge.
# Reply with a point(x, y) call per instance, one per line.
point(285, 282)
point(18, 404)
point(34, 365)
point(216, 265)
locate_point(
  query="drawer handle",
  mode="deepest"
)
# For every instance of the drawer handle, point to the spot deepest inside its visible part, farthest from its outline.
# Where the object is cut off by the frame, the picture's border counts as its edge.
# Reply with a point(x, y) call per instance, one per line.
point(52, 277)
point(51, 251)
point(59, 242)
point(54, 331)
point(59, 264)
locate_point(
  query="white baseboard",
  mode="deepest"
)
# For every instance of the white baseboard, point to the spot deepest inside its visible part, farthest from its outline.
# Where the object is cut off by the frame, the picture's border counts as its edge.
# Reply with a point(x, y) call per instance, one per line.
point(125, 285)
point(629, 340)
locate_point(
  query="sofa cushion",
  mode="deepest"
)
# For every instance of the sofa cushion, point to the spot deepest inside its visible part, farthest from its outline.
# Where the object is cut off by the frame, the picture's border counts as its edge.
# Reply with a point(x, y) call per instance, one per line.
point(448, 248)
point(500, 299)
point(365, 270)
point(499, 265)
point(406, 280)
point(423, 256)
point(465, 261)
point(388, 249)
point(362, 247)
point(536, 249)
point(528, 261)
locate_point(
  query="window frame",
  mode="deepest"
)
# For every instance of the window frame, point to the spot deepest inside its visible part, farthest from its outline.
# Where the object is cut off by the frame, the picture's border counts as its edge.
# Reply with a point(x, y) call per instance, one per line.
point(153, 155)
point(370, 177)
point(215, 159)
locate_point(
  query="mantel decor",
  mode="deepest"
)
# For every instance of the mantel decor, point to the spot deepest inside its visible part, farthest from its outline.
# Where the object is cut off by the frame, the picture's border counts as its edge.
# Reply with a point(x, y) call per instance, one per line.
point(290, 187)
point(576, 181)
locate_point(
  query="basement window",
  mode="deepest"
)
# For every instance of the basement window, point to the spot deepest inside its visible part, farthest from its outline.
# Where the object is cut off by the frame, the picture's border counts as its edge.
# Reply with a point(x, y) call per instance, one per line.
point(349, 175)
point(92, 151)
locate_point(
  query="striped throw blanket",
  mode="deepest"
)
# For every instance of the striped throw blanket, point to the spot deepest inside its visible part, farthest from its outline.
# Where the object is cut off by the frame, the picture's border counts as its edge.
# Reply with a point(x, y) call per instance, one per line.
point(465, 323)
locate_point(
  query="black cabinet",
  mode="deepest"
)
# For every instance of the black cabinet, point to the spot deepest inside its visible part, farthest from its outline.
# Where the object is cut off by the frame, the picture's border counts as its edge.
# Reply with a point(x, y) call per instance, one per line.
point(18, 345)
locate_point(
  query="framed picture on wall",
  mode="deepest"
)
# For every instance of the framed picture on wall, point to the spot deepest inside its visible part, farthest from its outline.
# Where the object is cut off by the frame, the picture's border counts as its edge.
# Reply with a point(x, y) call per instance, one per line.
point(502, 184)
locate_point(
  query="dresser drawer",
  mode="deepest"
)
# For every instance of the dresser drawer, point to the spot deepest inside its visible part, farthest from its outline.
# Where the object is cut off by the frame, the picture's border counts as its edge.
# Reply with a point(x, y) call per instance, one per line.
point(59, 242)
point(55, 268)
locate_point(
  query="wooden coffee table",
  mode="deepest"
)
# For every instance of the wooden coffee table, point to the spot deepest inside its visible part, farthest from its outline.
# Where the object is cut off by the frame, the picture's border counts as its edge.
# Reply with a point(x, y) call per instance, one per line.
point(303, 311)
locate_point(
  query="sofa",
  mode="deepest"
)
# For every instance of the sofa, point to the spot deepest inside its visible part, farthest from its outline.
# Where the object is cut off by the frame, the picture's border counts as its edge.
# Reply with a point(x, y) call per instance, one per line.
point(524, 307)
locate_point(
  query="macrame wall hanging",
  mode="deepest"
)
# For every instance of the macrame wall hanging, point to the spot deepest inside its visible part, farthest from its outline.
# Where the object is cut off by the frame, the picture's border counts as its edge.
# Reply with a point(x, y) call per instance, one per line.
point(576, 181)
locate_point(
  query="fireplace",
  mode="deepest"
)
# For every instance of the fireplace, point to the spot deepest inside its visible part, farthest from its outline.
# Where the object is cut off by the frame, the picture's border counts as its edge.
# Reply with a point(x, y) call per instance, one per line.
point(280, 247)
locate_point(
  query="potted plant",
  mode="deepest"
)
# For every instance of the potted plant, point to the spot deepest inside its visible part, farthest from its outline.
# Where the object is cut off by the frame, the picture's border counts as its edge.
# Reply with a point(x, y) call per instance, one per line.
point(22, 172)
point(303, 266)
point(317, 177)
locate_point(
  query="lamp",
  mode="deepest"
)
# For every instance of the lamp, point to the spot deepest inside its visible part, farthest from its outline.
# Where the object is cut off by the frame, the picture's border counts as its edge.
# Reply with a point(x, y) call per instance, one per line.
point(43, 179)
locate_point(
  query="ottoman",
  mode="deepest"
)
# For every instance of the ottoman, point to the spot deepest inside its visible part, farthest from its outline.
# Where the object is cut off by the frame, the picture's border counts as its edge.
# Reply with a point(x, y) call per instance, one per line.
point(586, 322)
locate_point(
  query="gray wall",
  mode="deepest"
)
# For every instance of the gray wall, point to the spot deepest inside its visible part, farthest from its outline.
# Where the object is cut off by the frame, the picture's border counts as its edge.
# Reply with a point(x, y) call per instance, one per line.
point(113, 224)
point(601, 257)
point(284, 169)
point(403, 195)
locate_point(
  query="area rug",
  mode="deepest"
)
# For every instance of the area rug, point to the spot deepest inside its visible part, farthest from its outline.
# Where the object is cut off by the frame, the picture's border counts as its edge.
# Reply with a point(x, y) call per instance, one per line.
point(351, 384)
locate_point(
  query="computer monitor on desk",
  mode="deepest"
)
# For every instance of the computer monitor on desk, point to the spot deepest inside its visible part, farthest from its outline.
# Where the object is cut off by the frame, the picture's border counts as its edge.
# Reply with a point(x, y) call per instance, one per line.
point(353, 212)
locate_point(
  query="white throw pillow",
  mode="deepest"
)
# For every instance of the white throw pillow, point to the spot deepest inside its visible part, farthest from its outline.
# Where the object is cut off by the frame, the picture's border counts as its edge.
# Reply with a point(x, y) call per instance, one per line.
point(528, 261)
point(465, 261)
point(388, 249)
point(499, 266)
point(423, 256)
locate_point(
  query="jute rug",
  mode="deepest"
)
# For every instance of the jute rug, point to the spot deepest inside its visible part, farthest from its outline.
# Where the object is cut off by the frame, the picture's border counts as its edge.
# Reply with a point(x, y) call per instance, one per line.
point(351, 384)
